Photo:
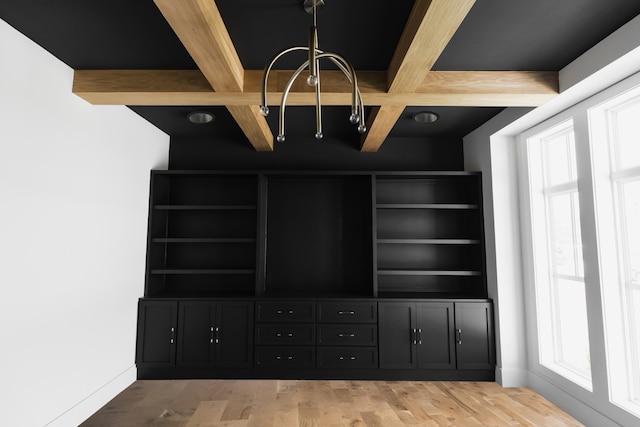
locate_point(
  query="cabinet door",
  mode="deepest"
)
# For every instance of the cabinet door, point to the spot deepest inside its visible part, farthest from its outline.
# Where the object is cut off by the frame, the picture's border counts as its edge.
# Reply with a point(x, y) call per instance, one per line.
point(196, 334)
point(155, 346)
point(474, 335)
point(436, 348)
point(396, 342)
point(235, 336)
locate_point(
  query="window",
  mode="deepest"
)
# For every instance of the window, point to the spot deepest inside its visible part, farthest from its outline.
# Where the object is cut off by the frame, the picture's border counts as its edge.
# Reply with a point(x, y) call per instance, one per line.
point(614, 128)
point(563, 334)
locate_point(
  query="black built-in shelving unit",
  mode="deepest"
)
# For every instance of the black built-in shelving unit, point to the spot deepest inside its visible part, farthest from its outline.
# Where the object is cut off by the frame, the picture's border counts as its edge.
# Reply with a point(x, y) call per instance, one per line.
point(323, 274)
point(403, 234)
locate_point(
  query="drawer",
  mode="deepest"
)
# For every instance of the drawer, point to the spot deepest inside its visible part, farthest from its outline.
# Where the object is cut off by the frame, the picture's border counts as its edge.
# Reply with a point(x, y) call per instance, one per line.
point(287, 334)
point(337, 334)
point(289, 311)
point(286, 357)
point(348, 357)
point(347, 312)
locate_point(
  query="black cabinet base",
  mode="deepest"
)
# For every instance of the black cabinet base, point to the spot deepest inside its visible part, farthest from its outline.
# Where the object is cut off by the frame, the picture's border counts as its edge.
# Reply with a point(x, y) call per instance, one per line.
point(317, 374)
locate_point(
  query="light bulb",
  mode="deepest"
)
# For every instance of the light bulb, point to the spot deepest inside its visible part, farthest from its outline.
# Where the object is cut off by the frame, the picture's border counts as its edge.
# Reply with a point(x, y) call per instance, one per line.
point(280, 138)
point(319, 135)
point(354, 118)
point(312, 80)
point(264, 110)
point(362, 128)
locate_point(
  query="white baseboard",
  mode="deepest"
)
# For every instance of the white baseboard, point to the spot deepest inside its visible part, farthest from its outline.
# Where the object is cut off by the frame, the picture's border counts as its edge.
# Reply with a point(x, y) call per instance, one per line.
point(512, 377)
point(96, 400)
point(575, 407)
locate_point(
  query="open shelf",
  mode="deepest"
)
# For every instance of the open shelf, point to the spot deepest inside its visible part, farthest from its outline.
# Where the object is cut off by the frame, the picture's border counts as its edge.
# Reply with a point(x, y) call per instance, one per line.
point(429, 235)
point(203, 240)
point(429, 272)
point(429, 241)
point(205, 207)
point(342, 234)
point(426, 206)
point(202, 271)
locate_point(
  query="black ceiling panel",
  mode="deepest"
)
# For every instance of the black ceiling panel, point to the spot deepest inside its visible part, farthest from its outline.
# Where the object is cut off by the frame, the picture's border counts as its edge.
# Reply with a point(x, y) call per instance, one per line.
point(496, 35)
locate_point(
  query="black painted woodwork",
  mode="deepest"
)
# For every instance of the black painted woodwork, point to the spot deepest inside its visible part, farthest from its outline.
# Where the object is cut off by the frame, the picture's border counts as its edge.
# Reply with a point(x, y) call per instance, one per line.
point(475, 347)
point(429, 235)
point(353, 234)
point(397, 347)
point(324, 274)
point(423, 335)
point(318, 234)
point(157, 327)
point(215, 334)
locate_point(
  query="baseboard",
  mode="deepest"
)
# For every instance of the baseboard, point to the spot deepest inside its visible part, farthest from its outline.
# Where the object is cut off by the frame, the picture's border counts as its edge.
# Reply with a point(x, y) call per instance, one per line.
point(512, 377)
point(96, 400)
point(573, 406)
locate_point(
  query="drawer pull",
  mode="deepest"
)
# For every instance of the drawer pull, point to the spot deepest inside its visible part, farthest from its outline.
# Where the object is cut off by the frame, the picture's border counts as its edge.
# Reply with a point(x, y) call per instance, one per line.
point(290, 334)
point(282, 311)
point(284, 357)
point(350, 313)
point(347, 358)
point(346, 335)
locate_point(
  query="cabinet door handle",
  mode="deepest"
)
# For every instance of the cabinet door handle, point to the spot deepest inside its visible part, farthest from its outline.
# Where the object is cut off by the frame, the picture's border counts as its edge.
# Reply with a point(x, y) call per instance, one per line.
point(350, 313)
point(414, 334)
point(172, 337)
point(211, 338)
point(217, 339)
point(459, 331)
point(420, 336)
point(346, 335)
point(347, 358)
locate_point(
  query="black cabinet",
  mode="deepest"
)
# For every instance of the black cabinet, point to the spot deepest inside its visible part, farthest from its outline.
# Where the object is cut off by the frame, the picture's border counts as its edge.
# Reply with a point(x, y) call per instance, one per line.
point(157, 324)
point(195, 334)
point(316, 274)
point(347, 334)
point(436, 335)
point(215, 334)
point(285, 334)
point(474, 335)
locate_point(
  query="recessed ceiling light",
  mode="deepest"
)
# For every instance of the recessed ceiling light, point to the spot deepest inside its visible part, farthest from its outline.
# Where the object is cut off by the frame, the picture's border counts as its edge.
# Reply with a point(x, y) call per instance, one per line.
point(200, 117)
point(426, 117)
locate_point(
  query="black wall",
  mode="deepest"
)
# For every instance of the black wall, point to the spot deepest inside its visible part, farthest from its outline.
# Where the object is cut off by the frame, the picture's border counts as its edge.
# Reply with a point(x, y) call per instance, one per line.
point(305, 153)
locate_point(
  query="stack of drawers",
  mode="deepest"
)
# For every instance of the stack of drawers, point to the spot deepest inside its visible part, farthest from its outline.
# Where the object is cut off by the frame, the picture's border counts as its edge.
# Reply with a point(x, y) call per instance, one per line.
point(345, 334)
point(285, 334)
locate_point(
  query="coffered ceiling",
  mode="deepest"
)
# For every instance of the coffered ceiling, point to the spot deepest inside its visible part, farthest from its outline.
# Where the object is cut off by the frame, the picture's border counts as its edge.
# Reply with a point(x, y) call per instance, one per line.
point(464, 59)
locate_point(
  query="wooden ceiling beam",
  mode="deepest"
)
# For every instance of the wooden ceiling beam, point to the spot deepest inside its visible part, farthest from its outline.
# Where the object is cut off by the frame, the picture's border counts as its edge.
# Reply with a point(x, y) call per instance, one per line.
point(438, 88)
point(200, 28)
point(431, 25)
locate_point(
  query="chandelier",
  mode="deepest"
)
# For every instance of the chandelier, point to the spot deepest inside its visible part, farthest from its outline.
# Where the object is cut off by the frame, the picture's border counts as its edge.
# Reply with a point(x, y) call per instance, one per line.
point(313, 79)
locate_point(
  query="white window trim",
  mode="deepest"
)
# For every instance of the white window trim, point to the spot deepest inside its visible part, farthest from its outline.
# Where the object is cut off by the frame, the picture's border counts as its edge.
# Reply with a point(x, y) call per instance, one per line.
point(599, 399)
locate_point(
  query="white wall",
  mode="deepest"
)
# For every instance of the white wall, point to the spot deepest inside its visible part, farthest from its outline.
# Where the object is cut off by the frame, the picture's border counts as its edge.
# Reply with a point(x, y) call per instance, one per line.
point(73, 206)
point(491, 149)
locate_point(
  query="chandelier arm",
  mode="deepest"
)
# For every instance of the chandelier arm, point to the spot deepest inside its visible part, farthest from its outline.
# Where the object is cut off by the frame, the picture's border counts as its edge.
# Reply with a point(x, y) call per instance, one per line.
point(348, 70)
point(267, 69)
point(318, 107)
point(359, 103)
point(313, 62)
point(283, 102)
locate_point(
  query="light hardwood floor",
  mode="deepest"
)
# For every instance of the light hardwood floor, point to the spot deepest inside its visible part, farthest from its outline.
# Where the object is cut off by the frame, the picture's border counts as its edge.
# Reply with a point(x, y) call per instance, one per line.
point(284, 403)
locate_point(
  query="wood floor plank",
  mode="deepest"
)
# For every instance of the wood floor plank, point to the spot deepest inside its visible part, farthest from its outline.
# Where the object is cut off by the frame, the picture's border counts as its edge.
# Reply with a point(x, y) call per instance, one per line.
point(335, 403)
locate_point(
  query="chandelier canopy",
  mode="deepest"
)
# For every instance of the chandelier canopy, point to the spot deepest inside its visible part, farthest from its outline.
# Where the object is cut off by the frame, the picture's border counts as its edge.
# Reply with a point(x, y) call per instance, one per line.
point(313, 78)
